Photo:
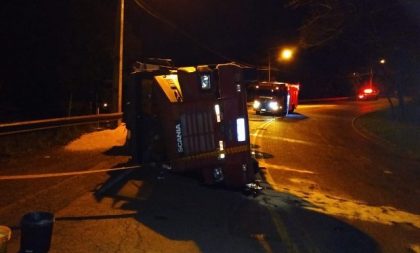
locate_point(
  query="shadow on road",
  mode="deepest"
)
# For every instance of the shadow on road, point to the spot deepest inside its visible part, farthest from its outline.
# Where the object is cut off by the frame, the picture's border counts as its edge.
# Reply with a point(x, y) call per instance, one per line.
point(95, 217)
point(179, 209)
point(255, 146)
point(292, 118)
point(258, 154)
point(263, 155)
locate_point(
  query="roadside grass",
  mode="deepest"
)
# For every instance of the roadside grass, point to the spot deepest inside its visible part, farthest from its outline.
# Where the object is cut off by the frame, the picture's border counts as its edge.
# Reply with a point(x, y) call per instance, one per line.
point(402, 134)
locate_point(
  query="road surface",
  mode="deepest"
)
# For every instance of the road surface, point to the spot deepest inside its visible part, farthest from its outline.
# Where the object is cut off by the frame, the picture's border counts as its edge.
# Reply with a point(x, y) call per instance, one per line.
point(327, 189)
point(319, 158)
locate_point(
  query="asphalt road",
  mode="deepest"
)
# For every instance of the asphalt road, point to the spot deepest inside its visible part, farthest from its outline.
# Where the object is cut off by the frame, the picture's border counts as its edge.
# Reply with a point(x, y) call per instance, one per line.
point(28, 193)
point(327, 189)
point(318, 157)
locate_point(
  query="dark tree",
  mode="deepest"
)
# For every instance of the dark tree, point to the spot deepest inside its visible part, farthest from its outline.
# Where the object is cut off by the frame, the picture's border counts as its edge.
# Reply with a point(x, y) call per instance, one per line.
point(57, 56)
point(372, 30)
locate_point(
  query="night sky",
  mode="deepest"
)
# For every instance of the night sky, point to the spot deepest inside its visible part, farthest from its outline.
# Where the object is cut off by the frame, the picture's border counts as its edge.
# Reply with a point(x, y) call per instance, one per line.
point(61, 51)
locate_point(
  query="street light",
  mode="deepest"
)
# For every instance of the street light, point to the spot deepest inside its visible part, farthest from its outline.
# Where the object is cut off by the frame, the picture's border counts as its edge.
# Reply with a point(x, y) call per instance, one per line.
point(285, 54)
point(382, 61)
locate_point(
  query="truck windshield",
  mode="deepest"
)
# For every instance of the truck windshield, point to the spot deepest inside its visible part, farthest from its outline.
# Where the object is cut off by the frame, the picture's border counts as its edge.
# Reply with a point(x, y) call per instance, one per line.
point(266, 92)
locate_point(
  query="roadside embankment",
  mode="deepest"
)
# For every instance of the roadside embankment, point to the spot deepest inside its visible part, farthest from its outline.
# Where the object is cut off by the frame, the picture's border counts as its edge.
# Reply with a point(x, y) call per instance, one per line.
point(28, 142)
point(402, 134)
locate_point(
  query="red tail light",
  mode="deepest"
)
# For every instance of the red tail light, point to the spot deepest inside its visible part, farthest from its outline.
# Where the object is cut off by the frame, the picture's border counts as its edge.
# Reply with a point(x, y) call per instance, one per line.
point(368, 91)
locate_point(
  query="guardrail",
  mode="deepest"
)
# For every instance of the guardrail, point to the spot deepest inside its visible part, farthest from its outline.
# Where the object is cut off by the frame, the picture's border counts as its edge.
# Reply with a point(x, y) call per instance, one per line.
point(37, 125)
point(317, 100)
point(321, 100)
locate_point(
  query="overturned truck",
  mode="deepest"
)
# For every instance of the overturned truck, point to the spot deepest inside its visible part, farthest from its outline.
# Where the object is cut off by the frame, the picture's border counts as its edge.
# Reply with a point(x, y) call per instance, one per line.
point(194, 119)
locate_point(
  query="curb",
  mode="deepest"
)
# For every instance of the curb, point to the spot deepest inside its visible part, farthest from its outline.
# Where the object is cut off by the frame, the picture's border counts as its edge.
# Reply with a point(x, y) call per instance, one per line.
point(322, 100)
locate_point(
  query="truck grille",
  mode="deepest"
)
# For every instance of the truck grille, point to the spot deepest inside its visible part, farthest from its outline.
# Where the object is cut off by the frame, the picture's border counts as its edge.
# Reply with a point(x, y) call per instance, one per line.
point(198, 132)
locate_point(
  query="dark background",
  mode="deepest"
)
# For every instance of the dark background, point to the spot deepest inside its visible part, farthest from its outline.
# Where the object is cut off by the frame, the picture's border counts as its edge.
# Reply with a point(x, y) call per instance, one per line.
point(58, 55)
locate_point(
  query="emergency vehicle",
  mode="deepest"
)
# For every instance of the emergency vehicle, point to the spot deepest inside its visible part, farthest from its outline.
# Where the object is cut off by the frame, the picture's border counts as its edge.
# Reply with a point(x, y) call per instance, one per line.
point(368, 93)
point(194, 119)
point(275, 97)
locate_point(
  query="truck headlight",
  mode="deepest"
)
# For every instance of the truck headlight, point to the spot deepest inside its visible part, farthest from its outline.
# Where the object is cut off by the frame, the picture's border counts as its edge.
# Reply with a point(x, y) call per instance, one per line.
point(273, 105)
point(205, 82)
point(256, 104)
point(218, 174)
point(221, 156)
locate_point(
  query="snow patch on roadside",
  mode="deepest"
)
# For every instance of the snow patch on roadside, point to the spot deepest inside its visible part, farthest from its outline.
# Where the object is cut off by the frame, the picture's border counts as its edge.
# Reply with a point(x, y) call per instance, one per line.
point(100, 140)
point(415, 248)
point(348, 208)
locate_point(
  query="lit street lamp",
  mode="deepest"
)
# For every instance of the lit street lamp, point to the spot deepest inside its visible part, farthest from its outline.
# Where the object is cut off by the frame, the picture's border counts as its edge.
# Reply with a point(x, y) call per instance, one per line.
point(286, 54)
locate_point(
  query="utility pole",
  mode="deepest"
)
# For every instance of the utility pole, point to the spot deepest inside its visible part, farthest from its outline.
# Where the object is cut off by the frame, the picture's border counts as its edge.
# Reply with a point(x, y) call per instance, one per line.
point(118, 60)
point(269, 67)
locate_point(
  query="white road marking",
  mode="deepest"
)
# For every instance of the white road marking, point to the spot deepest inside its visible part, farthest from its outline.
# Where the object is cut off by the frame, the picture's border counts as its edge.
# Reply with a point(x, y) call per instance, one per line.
point(283, 139)
point(63, 174)
point(279, 167)
point(281, 228)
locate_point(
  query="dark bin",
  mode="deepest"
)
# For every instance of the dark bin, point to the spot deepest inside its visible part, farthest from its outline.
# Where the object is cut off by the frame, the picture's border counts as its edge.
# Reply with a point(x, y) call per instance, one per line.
point(36, 232)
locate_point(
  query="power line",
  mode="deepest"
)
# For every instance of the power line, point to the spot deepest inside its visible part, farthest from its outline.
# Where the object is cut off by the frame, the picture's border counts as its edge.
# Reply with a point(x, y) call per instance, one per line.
point(155, 15)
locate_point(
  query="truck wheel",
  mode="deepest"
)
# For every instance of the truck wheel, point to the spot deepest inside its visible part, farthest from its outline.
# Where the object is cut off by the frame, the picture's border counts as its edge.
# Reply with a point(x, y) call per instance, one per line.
point(292, 109)
point(283, 113)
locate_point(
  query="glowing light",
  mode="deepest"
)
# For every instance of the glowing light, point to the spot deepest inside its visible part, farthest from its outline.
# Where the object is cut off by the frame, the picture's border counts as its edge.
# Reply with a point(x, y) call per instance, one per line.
point(221, 145)
point(218, 174)
point(286, 54)
point(273, 105)
point(240, 129)
point(205, 82)
point(368, 91)
point(256, 104)
point(217, 111)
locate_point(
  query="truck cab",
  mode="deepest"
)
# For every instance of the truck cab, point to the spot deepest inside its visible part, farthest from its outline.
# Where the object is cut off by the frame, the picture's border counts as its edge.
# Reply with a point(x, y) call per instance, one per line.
point(199, 114)
point(276, 98)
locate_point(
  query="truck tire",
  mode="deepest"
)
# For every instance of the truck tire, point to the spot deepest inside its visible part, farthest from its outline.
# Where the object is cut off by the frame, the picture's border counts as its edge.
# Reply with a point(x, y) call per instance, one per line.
point(283, 113)
point(292, 109)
